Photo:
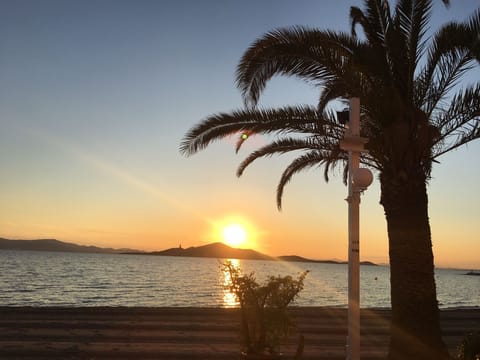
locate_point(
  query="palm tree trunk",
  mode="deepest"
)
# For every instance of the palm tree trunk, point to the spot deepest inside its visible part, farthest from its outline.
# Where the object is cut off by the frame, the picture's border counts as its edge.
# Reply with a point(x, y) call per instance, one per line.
point(415, 327)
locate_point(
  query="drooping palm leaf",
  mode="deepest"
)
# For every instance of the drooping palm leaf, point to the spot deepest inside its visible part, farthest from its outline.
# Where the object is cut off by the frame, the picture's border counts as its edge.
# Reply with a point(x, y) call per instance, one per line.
point(301, 163)
point(298, 119)
point(279, 147)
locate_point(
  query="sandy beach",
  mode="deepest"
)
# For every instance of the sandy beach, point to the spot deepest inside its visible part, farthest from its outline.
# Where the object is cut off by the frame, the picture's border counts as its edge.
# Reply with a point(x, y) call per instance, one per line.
point(189, 333)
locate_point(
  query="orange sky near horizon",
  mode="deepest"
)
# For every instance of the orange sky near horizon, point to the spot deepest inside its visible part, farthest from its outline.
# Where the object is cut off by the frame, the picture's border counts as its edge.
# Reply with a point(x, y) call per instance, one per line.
point(158, 221)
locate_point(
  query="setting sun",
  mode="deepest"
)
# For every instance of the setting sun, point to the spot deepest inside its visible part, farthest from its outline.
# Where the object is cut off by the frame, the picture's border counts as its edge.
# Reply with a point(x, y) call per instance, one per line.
point(235, 230)
point(234, 235)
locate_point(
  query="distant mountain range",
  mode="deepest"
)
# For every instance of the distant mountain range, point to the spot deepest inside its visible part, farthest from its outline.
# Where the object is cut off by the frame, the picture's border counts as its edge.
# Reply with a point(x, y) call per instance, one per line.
point(214, 250)
point(55, 245)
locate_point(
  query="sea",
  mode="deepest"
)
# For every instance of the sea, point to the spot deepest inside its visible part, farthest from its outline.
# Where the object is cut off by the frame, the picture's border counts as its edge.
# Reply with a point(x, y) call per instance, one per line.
point(36, 278)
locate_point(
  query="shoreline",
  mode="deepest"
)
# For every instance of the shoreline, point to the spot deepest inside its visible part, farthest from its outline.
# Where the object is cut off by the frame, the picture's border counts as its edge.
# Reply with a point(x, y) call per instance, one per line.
point(191, 333)
point(200, 308)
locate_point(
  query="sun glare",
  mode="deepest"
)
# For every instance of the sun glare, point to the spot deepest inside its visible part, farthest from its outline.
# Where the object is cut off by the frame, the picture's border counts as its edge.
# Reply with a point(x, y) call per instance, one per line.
point(234, 230)
point(234, 235)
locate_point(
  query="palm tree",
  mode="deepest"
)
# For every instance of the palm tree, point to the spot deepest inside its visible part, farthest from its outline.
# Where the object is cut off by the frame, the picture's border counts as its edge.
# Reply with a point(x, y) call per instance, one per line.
point(412, 111)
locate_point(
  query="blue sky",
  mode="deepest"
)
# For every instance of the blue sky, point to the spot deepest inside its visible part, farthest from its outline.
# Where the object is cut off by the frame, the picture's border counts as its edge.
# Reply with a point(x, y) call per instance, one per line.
point(97, 95)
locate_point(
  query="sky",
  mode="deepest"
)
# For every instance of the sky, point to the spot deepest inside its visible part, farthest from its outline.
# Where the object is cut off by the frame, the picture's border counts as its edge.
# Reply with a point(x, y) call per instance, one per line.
point(96, 96)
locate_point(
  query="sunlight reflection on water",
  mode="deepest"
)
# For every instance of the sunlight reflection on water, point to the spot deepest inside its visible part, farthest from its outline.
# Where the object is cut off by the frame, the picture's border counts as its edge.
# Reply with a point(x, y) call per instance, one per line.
point(70, 279)
point(229, 298)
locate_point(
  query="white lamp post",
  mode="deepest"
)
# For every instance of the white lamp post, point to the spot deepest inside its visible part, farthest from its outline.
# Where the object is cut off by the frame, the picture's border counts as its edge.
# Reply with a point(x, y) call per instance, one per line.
point(358, 180)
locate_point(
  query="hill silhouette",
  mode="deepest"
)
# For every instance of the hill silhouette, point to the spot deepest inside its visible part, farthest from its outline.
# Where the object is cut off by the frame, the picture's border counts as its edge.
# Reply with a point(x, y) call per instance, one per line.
point(215, 250)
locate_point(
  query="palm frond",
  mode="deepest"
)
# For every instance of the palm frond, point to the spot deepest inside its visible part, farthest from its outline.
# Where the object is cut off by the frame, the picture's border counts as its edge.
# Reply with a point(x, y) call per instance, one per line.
point(300, 119)
point(395, 43)
point(303, 162)
point(336, 155)
point(312, 55)
point(411, 18)
point(338, 88)
point(370, 161)
point(460, 123)
point(449, 70)
point(282, 146)
point(332, 159)
point(467, 133)
point(449, 56)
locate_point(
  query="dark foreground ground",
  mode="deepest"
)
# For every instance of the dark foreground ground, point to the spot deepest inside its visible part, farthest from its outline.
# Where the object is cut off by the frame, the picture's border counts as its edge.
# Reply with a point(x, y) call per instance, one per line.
point(189, 333)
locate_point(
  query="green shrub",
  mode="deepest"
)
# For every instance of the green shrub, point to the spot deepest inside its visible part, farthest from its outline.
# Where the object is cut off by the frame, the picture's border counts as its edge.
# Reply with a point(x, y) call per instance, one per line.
point(263, 307)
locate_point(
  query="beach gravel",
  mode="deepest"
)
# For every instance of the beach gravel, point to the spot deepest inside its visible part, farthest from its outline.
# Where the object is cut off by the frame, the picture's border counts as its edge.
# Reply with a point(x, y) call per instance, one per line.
point(190, 333)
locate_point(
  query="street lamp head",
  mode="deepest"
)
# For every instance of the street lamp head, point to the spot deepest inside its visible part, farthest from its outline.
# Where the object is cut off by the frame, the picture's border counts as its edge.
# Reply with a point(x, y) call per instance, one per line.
point(362, 178)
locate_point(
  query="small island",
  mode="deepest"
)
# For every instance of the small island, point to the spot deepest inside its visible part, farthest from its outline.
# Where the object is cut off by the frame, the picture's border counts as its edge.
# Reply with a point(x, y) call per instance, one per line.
point(472, 273)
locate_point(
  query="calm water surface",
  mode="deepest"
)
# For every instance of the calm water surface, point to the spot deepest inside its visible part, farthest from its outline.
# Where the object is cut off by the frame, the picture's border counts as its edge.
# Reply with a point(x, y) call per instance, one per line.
point(30, 278)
